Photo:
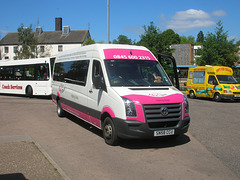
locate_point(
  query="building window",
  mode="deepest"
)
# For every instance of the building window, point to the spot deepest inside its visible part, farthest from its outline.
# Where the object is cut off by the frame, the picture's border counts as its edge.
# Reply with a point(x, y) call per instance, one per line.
point(6, 57)
point(6, 50)
point(15, 48)
point(60, 48)
point(41, 49)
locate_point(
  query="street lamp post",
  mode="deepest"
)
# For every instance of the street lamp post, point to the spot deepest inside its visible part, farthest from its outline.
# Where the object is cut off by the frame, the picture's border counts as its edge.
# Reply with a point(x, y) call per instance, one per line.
point(108, 22)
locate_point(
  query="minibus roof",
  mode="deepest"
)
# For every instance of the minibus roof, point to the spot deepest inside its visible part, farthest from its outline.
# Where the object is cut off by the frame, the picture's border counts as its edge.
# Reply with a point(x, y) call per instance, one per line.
point(107, 51)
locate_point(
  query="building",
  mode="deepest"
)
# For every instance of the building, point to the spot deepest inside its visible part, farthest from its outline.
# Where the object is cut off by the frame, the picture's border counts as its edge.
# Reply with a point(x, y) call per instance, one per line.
point(183, 53)
point(49, 42)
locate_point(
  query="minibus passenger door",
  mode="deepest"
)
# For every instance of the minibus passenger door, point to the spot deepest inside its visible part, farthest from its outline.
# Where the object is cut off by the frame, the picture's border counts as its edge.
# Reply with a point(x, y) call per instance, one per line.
point(96, 90)
point(169, 64)
point(212, 82)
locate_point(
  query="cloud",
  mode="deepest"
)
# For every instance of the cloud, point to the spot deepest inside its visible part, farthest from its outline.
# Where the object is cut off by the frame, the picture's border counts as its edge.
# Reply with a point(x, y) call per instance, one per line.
point(184, 21)
point(4, 32)
point(219, 13)
point(235, 38)
point(184, 26)
point(191, 14)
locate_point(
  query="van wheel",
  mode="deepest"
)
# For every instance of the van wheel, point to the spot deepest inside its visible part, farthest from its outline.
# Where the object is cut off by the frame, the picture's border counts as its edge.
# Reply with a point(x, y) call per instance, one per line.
point(60, 111)
point(192, 95)
point(29, 92)
point(217, 97)
point(109, 132)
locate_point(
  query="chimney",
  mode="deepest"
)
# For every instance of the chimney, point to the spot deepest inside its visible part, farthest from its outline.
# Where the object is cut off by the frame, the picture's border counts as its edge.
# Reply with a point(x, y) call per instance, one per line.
point(58, 24)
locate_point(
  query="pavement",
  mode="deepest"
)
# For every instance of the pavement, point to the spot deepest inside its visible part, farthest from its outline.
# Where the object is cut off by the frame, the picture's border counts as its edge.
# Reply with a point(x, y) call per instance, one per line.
point(21, 158)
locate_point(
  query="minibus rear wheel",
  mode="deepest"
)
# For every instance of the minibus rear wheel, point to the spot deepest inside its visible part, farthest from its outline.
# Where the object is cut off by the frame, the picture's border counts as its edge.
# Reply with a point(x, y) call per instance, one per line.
point(109, 132)
point(60, 111)
point(192, 95)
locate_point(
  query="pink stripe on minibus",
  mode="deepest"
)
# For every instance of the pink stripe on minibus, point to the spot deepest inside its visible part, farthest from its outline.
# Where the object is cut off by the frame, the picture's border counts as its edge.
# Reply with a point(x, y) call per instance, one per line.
point(94, 121)
point(130, 54)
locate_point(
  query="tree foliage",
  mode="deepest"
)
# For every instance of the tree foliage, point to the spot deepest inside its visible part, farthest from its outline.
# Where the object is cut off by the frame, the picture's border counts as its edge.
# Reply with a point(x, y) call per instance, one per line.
point(157, 41)
point(27, 43)
point(89, 41)
point(187, 40)
point(122, 39)
point(200, 37)
point(217, 50)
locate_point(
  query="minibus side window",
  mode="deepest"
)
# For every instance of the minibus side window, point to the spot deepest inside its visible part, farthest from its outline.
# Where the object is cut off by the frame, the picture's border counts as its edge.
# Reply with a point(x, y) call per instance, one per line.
point(190, 75)
point(212, 80)
point(74, 72)
point(198, 77)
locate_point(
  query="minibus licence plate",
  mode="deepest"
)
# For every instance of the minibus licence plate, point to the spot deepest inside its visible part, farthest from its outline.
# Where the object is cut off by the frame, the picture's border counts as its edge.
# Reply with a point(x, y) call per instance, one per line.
point(164, 132)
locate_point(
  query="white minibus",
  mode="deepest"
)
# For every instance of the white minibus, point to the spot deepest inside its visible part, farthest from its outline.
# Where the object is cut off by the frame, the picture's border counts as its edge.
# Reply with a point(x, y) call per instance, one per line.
point(30, 77)
point(121, 89)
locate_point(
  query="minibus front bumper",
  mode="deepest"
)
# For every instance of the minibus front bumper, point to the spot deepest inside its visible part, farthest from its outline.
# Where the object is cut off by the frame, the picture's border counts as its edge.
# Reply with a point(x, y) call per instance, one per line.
point(137, 130)
point(230, 97)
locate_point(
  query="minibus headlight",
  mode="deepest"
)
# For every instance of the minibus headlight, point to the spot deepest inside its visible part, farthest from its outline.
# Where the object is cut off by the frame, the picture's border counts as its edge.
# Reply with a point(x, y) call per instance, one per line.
point(129, 106)
point(186, 105)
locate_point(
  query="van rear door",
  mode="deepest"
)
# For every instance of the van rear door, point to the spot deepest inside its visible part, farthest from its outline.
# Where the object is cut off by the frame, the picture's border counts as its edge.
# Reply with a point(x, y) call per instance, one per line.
point(169, 64)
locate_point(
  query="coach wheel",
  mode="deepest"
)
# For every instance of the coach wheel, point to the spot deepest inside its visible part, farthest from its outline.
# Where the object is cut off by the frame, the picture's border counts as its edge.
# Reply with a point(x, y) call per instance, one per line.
point(217, 97)
point(29, 92)
point(192, 95)
point(60, 111)
point(109, 132)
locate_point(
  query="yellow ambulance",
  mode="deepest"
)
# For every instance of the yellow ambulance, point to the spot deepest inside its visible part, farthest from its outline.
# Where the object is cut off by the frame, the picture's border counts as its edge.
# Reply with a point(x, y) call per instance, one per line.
point(215, 82)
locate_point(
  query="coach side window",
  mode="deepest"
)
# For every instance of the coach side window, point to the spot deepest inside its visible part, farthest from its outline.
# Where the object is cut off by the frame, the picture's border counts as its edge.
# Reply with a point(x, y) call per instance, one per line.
point(2, 73)
point(9, 73)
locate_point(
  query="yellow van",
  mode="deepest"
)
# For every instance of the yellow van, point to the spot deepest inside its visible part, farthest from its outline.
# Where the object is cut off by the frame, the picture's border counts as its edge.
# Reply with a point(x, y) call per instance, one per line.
point(215, 82)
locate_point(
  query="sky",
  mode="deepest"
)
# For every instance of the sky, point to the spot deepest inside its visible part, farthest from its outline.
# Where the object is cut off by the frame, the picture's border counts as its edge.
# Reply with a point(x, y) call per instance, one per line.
point(127, 17)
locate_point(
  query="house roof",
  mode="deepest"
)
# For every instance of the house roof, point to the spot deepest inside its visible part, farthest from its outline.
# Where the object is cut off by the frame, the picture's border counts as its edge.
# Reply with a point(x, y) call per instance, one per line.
point(51, 37)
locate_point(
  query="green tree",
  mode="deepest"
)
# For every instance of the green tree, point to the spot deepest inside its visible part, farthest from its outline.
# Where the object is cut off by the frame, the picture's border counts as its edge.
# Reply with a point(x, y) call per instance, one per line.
point(217, 50)
point(167, 38)
point(27, 43)
point(238, 43)
point(200, 37)
point(157, 41)
point(89, 41)
point(187, 40)
point(122, 39)
point(150, 38)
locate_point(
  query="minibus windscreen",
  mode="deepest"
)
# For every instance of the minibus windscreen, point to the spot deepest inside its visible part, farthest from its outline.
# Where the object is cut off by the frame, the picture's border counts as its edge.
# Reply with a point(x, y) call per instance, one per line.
point(226, 79)
point(136, 73)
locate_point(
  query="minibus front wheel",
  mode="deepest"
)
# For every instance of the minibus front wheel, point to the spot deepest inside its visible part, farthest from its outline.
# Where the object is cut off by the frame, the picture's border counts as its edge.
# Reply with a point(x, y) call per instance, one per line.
point(60, 111)
point(109, 132)
point(191, 94)
point(217, 97)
